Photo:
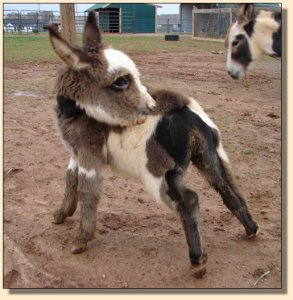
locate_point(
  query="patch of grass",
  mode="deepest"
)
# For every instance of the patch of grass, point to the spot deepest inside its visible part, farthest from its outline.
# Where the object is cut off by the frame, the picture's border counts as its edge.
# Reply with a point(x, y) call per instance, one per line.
point(32, 84)
point(247, 152)
point(256, 174)
point(157, 43)
point(22, 49)
point(31, 48)
point(267, 58)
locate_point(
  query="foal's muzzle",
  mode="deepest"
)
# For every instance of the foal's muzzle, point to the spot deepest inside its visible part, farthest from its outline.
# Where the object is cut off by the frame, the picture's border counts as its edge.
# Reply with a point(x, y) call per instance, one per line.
point(143, 111)
point(234, 75)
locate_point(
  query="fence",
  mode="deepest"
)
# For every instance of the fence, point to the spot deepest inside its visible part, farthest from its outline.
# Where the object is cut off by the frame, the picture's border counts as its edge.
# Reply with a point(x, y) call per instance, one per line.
point(33, 22)
point(168, 23)
point(214, 22)
point(201, 23)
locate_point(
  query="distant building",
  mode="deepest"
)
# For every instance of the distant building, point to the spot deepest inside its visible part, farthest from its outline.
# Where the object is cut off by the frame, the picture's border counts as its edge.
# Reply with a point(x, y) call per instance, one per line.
point(8, 28)
point(168, 23)
point(126, 17)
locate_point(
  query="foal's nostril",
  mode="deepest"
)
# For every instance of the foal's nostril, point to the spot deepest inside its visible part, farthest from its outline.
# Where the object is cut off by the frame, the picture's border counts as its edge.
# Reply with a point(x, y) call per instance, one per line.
point(143, 111)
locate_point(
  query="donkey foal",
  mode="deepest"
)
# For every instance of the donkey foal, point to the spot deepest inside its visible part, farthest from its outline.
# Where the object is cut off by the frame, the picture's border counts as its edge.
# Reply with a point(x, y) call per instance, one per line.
point(107, 117)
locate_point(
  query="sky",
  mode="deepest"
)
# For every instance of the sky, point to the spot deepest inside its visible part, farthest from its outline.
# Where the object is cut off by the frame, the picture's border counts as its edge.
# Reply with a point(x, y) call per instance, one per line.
point(165, 9)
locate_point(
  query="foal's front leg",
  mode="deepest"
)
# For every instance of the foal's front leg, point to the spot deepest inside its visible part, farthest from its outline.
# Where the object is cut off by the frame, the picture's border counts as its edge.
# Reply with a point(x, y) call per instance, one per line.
point(89, 191)
point(69, 203)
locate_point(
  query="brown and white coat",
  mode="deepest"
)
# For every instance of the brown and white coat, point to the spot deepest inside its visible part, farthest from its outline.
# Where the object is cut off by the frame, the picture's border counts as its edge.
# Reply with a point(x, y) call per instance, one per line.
point(107, 117)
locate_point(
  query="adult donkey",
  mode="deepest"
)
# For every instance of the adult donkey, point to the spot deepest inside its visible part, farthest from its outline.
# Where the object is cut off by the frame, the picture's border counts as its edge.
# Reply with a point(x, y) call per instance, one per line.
point(251, 36)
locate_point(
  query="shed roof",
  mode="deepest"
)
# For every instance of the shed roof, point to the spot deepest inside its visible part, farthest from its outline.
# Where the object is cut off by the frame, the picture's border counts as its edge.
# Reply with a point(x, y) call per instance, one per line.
point(105, 5)
point(98, 6)
point(258, 5)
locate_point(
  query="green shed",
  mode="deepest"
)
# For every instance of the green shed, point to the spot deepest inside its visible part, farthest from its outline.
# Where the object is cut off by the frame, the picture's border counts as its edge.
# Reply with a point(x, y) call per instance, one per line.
point(126, 17)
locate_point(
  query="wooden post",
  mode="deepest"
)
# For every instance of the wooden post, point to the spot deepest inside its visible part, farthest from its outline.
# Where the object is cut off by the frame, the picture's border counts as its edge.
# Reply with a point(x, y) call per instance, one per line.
point(68, 32)
point(194, 23)
point(120, 19)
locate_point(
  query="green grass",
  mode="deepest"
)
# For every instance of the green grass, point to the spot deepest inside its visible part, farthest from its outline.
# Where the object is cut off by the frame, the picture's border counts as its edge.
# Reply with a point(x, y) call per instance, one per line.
point(247, 152)
point(37, 48)
point(22, 49)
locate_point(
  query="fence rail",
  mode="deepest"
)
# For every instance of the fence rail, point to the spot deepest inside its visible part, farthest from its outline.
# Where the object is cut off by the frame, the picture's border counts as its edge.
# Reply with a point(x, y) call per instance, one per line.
point(215, 22)
point(201, 23)
point(34, 22)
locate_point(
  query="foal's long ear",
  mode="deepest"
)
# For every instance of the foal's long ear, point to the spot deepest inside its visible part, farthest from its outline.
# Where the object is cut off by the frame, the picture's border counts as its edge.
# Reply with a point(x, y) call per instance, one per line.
point(246, 13)
point(72, 57)
point(92, 35)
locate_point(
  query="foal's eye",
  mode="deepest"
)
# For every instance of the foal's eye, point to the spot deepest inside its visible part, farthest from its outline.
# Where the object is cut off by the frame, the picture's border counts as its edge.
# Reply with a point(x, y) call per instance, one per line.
point(121, 83)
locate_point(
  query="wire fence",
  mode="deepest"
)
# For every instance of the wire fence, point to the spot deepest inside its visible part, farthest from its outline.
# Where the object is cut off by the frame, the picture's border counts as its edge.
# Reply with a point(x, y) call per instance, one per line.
point(200, 23)
point(34, 22)
point(213, 23)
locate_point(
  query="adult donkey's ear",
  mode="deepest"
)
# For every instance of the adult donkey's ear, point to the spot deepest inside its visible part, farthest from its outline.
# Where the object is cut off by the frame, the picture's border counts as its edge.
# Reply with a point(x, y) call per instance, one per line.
point(73, 57)
point(92, 38)
point(246, 13)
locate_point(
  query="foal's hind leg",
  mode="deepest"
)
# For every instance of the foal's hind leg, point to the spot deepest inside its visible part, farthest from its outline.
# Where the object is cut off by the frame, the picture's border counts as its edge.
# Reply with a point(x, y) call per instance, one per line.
point(187, 205)
point(219, 175)
point(69, 203)
point(89, 190)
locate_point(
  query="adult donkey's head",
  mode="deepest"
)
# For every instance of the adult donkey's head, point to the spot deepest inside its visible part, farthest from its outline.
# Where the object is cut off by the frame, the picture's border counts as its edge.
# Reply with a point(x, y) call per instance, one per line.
point(250, 36)
point(103, 81)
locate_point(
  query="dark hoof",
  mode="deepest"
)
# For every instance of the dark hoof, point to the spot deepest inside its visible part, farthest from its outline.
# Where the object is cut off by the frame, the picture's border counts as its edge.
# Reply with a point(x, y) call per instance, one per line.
point(58, 217)
point(254, 234)
point(78, 247)
point(199, 269)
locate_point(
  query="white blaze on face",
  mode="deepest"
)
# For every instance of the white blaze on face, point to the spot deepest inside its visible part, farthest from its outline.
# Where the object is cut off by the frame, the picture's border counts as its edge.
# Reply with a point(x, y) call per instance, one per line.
point(234, 68)
point(118, 60)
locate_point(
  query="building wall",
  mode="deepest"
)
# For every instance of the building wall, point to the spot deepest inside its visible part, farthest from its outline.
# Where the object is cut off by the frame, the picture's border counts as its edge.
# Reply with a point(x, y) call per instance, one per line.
point(145, 18)
point(186, 17)
point(136, 18)
point(186, 14)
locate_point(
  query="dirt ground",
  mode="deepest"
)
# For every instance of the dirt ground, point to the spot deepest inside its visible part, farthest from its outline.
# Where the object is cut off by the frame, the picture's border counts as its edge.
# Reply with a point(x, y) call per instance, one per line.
point(139, 243)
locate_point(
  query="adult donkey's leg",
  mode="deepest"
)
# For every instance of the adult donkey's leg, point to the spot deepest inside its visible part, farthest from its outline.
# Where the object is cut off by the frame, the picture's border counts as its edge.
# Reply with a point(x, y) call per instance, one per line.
point(69, 203)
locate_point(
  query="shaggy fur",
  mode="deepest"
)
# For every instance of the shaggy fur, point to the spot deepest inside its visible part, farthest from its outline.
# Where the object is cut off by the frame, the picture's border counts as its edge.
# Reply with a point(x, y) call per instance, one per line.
point(106, 117)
